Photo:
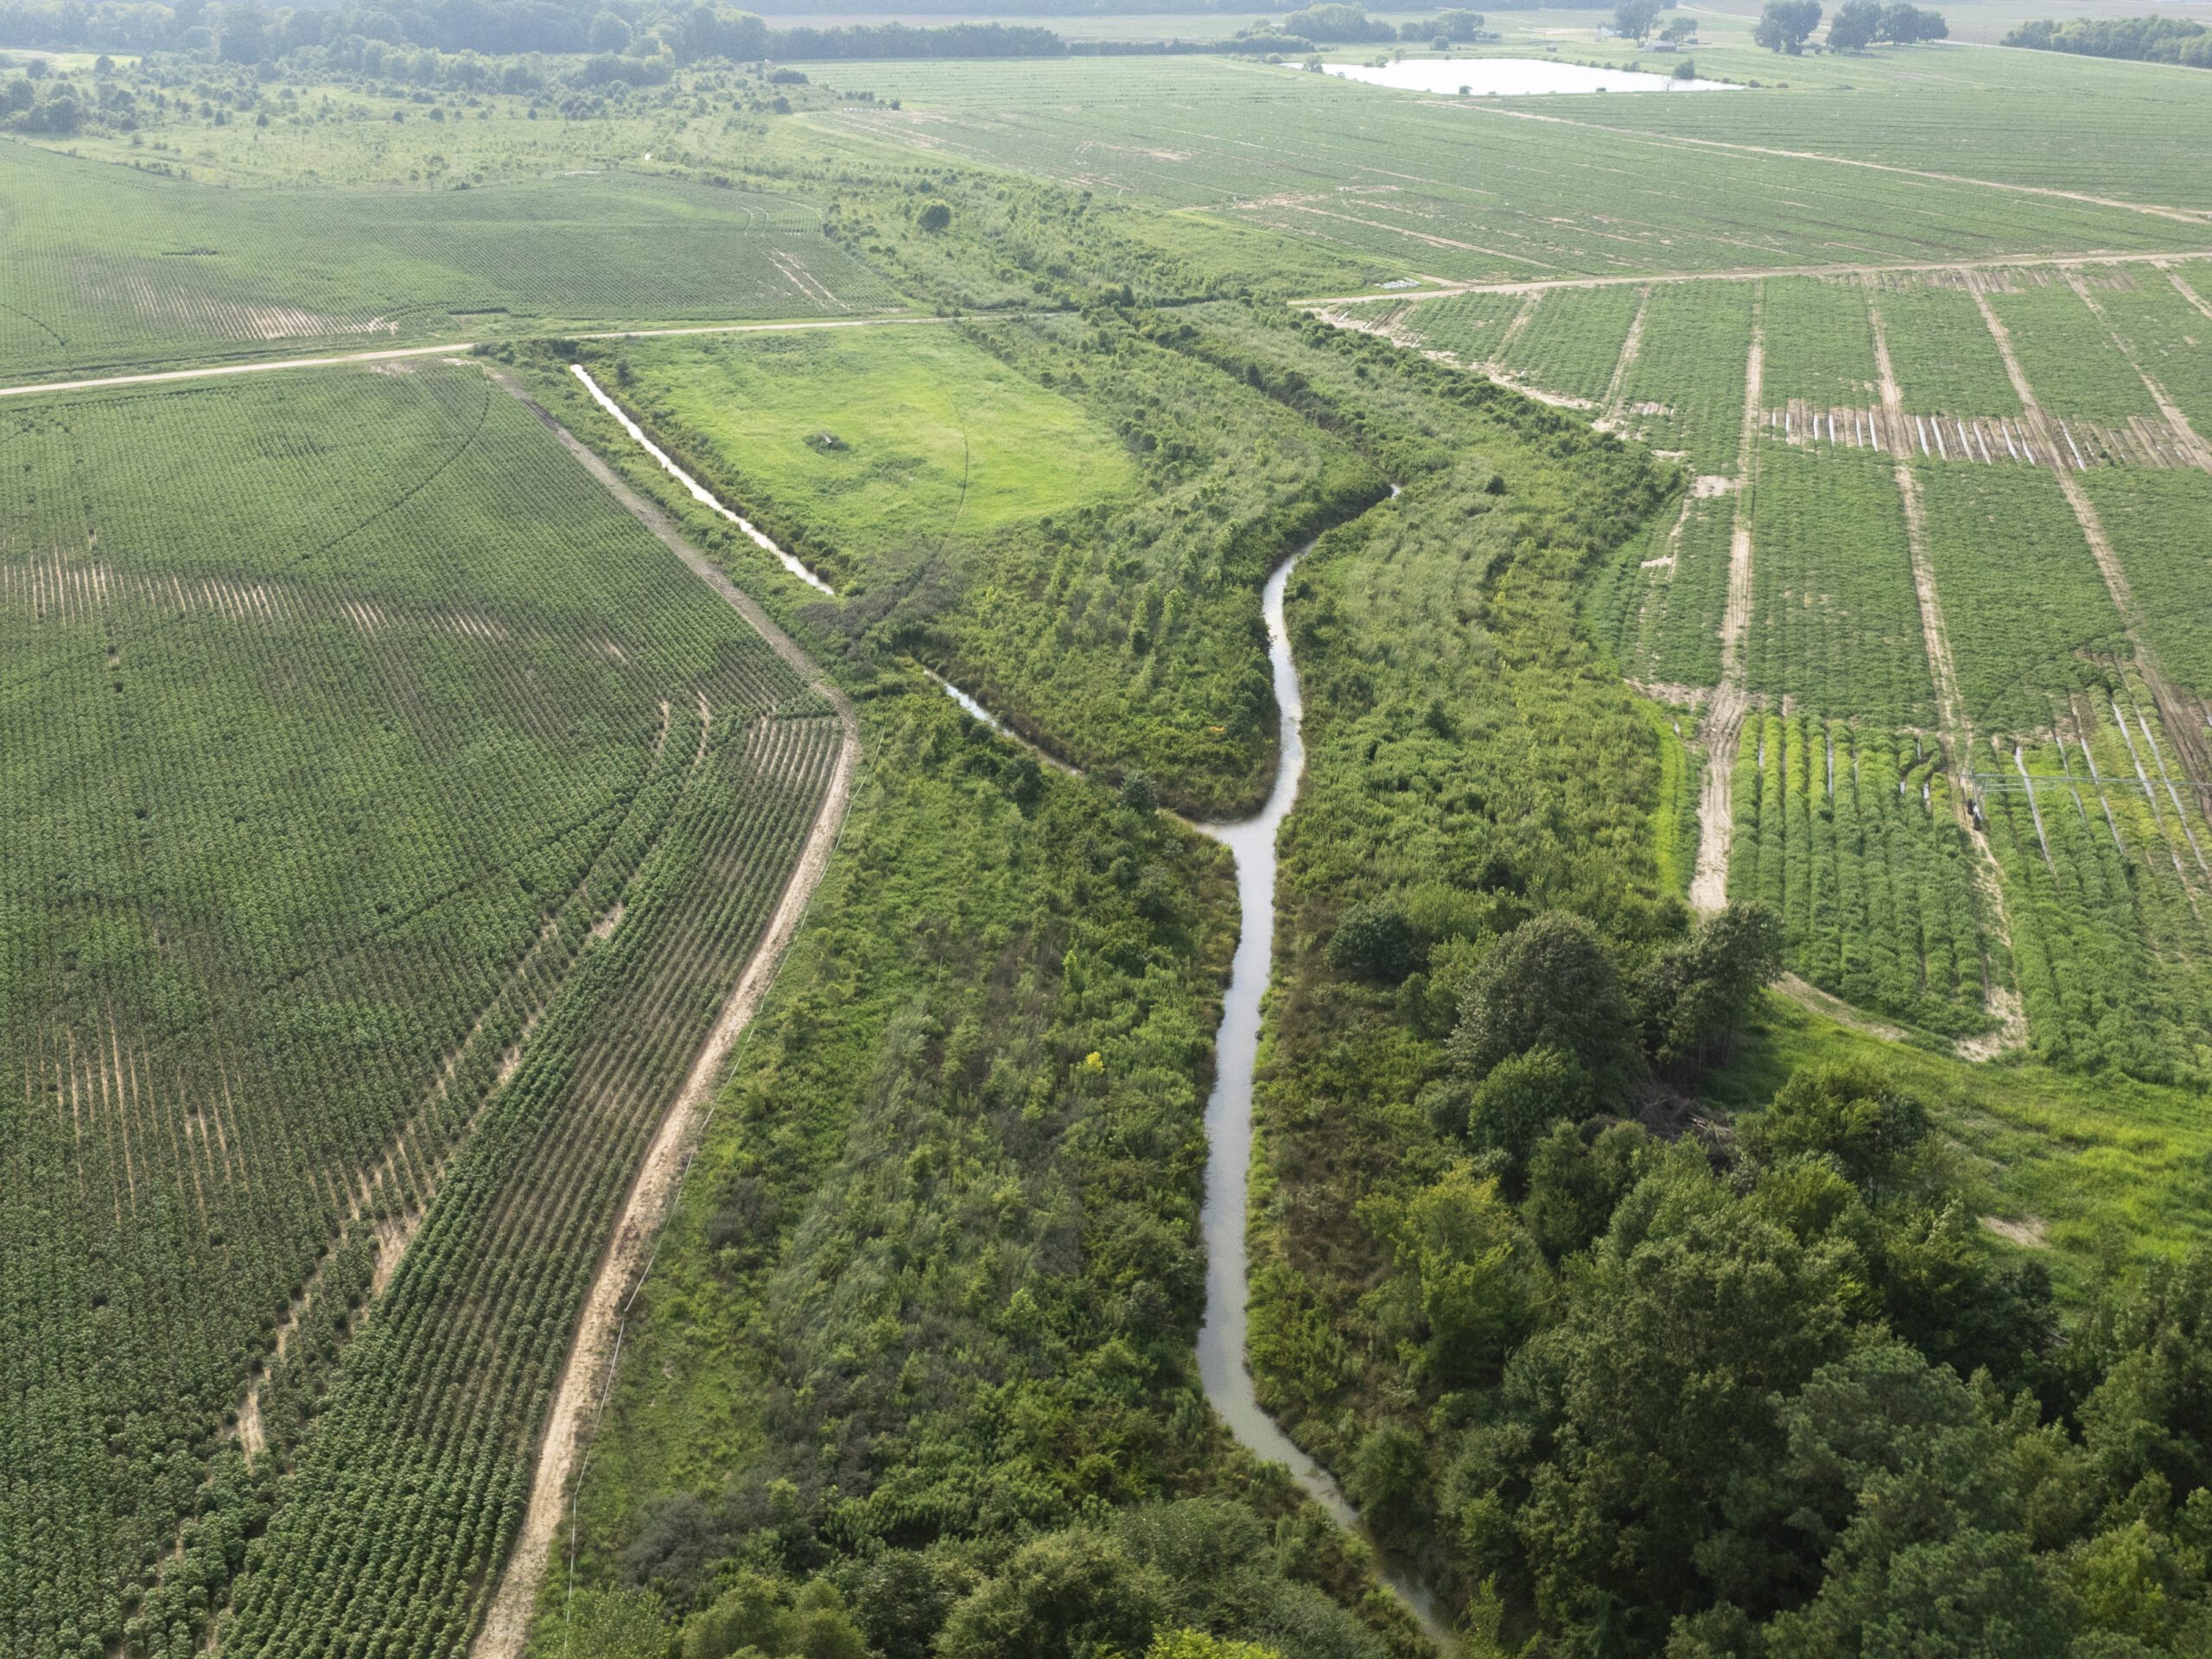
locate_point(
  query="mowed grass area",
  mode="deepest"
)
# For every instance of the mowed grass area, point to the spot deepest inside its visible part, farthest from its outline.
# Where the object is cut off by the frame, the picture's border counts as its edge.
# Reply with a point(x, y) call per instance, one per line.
point(387, 812)
point(110, 267)
point(878, 441)
point(1391, 184)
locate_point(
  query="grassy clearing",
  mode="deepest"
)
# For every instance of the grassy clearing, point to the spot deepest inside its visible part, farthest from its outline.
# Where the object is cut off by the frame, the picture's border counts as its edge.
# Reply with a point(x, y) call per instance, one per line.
point(2114, 1173)
point(883, 441)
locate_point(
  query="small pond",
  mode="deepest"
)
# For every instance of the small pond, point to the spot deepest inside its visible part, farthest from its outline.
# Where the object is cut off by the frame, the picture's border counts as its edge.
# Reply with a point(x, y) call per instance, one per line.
point(1514, 77)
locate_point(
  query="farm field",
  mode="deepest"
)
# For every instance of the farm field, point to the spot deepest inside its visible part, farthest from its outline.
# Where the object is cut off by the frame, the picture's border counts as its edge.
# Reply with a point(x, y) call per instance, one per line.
point(372, 854)
point(111, 269)
point(1946, 109)
point(1990, 557)
point(1385, 181)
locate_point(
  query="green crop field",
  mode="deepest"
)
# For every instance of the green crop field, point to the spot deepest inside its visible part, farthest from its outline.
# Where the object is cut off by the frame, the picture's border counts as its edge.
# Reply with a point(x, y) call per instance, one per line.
point(1836, 628)
point(1848, 835)
point(380, 796)
point(1394, 183)
point(1684, 393)
point(111, 268)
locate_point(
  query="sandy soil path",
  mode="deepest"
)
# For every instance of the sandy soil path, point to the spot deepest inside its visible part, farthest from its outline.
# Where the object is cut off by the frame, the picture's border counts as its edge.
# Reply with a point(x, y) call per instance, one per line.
point(588, 1375)
point(1724, 720)
point(451, 348)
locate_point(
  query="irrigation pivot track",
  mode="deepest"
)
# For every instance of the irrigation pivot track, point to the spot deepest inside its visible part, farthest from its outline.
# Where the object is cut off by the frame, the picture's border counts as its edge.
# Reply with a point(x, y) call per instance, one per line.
point(588, 1373)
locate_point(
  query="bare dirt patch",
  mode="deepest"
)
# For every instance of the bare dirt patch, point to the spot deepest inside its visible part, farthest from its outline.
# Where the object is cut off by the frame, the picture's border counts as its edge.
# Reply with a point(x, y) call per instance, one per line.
point(2029, 1232)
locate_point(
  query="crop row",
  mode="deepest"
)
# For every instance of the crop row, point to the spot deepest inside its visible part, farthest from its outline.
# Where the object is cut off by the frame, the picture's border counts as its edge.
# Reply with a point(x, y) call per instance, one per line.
point(1391, 182)
point(108, 265)
point(1685, 391)
point(2027, 615)
point(2156, 521)
point(324, 755)
point(1819, 345)
point(409, 1488)
point(1848, 834)
point(1660, 606)
point(1835, 619)
point(1572, 339)
point(2104, 855)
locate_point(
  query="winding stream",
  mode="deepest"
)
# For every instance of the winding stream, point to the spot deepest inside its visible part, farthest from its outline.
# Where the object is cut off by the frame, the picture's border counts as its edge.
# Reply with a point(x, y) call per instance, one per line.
point(1251, 844)
point(1222, 1370)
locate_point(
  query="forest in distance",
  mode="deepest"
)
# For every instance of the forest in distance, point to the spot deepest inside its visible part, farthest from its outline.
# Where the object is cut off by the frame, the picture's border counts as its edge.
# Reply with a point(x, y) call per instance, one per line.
point(640, 650)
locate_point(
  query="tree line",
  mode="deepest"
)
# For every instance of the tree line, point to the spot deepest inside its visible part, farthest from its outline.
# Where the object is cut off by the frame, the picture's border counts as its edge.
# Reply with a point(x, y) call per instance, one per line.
point(2148, 40)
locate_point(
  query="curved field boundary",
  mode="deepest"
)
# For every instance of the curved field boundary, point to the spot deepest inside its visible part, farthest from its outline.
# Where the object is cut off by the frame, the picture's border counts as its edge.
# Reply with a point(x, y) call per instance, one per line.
point(589, 1372)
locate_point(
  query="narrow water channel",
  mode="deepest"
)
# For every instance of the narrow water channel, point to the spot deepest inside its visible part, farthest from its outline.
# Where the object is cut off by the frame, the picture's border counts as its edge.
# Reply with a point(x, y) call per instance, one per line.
point(1251, 844)
point(1222, 1370)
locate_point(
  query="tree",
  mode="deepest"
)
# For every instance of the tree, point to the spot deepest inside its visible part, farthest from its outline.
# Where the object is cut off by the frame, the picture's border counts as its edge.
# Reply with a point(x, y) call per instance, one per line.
point(1066, 1596)
point(1850, 1112)
point(1575, 1185)
point(1786, 25)
point(1897, 1485)
point(1695, 995)
point(245, 34)
point(1908, 24)
point(1548, 983)
point(1516, 1106)
point(1658, 1384)
point(1470, 1281)
point(935, 218)
point(1197, 1644)
point(1855, 26)
point(1375, 941)
point(1633, 19)
point(1389, 1477)
point(609, 33)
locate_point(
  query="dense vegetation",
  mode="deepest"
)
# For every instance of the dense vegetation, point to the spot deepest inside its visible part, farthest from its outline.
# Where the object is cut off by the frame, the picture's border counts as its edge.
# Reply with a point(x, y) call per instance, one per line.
point(2153, 39)
point(920, 1348)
